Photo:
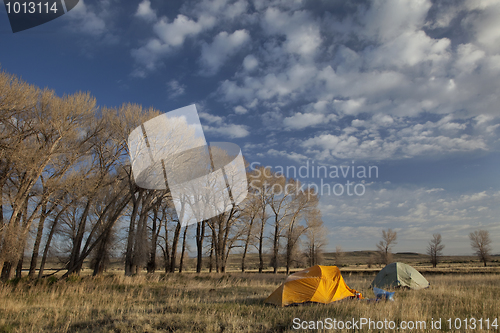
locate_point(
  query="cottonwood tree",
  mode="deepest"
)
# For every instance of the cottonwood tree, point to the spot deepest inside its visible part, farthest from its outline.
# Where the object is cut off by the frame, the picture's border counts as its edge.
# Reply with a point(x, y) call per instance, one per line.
point(40, 132)
point(435, 249)
point(480, 242)
point(315, 237)
point(386, 244)
point(339, 256)
point(280, 204)
point(249, 217)
point(301, 204)
point(261, 182)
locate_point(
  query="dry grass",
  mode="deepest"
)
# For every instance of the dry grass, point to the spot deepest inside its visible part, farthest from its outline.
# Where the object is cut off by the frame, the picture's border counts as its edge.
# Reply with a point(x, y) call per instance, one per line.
point(222, 303)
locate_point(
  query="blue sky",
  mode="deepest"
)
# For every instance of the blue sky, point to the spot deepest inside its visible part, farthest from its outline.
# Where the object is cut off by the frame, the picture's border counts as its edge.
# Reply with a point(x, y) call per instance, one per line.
point(411, 87)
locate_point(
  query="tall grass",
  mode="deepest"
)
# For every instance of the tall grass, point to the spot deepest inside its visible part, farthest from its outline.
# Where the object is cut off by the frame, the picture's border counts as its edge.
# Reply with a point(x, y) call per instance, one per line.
point(224, 303)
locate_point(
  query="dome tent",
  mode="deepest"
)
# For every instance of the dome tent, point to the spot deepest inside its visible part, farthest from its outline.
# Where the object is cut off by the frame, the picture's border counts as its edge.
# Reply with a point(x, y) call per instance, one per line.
point(399, 274)
point(321, 284)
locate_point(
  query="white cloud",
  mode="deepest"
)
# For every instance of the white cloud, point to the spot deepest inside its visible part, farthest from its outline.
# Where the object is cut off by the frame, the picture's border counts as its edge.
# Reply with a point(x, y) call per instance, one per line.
point(222, 9)
point(223, 46)
point(303, 120)
point(250, 62)
point(415, 213)
point(365, 141)
point(386, 20)
point(468, 57)
point(410, 49)
point(88, 20)
point(174, 34)
point(368, 81)
point(232, 130)
point(485, 24)
point(175, 88)
point(149, 54)
point(169, 36)
point(302, 32)
point(145, 11)
point(240, 110)
point(291, 156)
point(210, 118)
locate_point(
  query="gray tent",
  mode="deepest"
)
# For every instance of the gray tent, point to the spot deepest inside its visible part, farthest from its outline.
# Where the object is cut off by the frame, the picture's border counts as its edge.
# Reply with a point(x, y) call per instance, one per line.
point(399, 274)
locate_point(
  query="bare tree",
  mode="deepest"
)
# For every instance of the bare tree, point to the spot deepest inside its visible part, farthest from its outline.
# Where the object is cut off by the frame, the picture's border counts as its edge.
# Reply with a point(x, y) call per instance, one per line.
point(183, 251)
point(480, 242)
point(261, 183)
point(38, 130)
point(316, 238)
point(385, 245)
point(281, 210)
point(249, 215)
point(339, 256)
point(302, 203)
point(435, 249)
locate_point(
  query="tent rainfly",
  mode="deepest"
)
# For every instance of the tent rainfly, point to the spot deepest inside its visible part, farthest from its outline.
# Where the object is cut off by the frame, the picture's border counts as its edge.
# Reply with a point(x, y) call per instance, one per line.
point(320, 284)
point(399, 274)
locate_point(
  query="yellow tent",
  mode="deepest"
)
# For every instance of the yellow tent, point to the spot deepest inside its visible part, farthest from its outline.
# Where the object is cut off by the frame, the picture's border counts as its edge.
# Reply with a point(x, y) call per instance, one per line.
point(321, 284)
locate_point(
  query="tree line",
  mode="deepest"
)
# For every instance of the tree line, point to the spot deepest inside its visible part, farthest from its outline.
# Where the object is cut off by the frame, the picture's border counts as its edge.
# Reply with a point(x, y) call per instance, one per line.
point(67, 189)
point(480, 243)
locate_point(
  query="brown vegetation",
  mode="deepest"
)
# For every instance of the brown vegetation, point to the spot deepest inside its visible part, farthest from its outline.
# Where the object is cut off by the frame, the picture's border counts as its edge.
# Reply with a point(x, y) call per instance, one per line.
point(229, 303)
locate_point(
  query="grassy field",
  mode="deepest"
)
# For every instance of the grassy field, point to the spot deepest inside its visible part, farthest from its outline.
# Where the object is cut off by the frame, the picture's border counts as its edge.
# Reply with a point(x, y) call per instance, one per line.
point(233, 302)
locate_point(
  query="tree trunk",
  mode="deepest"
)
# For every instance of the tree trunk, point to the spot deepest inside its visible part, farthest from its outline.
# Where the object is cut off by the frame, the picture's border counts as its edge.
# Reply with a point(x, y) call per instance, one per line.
point(181, 263)
point(131, 234)
point(166, 250)
point(275, 248)
point(261, 248)
point(19, 268)
point(200, 234)
point(38, 239)
point(49, 240)
point(288, 256)
point(6, 271)
point(174, 246)
point(151, 266)
point(211, 261)
point(245, 249)
point(215, 245)
point(77, 242)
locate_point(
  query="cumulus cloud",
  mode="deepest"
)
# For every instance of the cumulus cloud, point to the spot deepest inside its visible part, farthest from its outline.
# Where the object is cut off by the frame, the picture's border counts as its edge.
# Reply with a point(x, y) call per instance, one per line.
point(383, 60)
point(223, 46)
point(211, 119)
point(384, 81)
point(145, 11)
point(168, 36)
point(291, 156)
point(301, 31)
point(240, 110)
point(231, 131)
point(250, 62)
point(148, 55)
point(365, 139)
point(414, 212)
point(88, 19)
point(175, 88)
point(175, 32)
point(303, 120)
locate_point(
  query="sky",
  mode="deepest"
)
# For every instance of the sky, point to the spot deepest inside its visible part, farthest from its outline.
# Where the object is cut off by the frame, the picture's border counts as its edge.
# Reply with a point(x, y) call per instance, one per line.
point(408, 89)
